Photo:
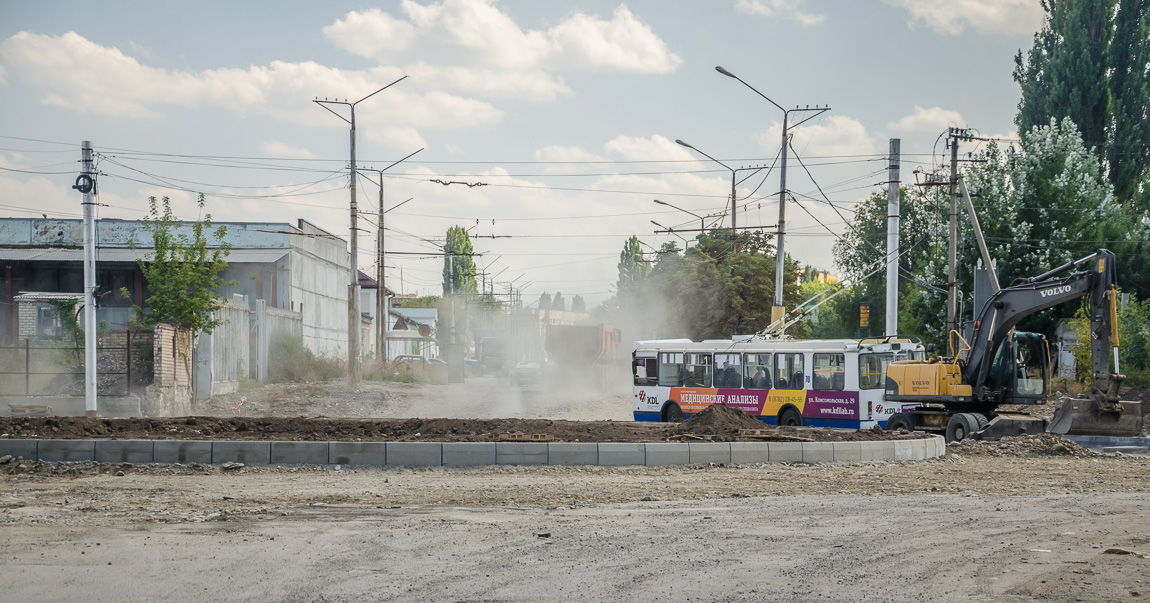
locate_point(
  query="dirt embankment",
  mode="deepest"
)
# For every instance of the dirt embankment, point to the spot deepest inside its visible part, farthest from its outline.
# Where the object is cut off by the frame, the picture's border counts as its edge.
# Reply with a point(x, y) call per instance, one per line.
point(716, 423)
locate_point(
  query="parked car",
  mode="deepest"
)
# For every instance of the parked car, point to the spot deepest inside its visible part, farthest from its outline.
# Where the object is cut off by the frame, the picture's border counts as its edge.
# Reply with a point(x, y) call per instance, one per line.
point(526, 373)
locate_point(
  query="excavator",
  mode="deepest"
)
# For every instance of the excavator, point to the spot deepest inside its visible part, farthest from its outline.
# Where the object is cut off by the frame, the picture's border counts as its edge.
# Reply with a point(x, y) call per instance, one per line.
point(961, 395)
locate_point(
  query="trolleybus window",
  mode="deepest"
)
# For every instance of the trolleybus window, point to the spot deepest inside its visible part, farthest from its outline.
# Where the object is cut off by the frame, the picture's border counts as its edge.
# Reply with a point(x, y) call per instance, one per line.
point(645, 371)
point(872, 370)
point(698, 370)
point(828, 372)
point(728, 370)
point(789, 371)
point(757, 371)
point(671, 369)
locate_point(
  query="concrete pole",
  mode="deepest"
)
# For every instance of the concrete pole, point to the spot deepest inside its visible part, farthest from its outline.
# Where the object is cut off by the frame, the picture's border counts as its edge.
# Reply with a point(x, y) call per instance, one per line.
point(451, 272)
point(777, 311)
point(89, 284)
point(892, 217)
point(734, 219)
point(353, 286)
point(381, 316)
point(952, 249)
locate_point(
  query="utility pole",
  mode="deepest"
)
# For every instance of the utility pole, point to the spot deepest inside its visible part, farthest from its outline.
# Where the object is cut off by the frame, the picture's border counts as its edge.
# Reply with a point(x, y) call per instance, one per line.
point(353, 314)
point(381, 316)
point(86, 184)
point(952, 247)
point(892, 216)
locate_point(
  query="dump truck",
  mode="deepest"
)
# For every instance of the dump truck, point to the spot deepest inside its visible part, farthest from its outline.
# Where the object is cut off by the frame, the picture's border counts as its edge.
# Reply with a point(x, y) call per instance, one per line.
point(961, 394)
point(581, 355)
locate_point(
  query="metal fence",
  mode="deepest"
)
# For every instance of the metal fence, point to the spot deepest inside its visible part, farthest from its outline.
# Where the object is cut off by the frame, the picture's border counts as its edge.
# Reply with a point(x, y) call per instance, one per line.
point(41, 369)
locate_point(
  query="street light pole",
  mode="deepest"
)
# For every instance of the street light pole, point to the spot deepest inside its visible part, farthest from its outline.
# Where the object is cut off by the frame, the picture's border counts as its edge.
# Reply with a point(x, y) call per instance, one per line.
point(702, 225)
point(381, 258)
point(353, 319)
point(777, 311)
point(734, 208)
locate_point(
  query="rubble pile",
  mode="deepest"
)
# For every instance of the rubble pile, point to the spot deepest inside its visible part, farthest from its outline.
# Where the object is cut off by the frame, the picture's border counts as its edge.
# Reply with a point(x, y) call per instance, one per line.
point(1043, 444)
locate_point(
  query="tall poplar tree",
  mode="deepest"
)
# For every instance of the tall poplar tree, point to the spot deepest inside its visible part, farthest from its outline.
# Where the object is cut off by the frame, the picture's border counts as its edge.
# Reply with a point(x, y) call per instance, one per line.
point(1064, 74)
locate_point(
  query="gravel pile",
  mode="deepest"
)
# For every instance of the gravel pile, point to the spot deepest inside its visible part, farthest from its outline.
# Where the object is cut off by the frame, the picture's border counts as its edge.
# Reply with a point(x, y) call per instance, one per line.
point(1045, 444)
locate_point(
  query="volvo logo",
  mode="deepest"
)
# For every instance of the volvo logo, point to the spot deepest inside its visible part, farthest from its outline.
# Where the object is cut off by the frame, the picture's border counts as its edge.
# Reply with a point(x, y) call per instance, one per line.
point(1054, 291)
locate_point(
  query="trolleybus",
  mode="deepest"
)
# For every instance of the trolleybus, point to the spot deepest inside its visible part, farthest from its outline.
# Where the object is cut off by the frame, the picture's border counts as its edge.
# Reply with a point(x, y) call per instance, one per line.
point(825, 383)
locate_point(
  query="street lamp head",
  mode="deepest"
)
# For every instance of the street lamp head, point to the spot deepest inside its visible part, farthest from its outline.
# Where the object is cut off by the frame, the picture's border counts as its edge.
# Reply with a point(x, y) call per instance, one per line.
point(659, 202)
point(720, 69)
point(680, 142)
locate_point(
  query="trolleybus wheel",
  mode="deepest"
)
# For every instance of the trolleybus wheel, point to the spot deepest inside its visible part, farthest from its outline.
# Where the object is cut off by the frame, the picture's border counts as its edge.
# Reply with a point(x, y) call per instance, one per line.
point(673, 414)
point(900, 421)
point(790, 418)
point(960, 427)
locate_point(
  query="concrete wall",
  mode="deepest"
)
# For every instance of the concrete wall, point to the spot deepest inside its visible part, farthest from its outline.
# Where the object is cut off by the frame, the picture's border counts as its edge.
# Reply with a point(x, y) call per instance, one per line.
point(170, 394)
point(285, 321)
point(223, 357)
point(320, 276)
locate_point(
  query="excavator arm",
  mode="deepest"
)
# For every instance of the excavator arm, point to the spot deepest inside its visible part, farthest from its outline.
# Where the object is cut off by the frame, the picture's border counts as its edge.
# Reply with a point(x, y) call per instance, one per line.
point(1008, 306)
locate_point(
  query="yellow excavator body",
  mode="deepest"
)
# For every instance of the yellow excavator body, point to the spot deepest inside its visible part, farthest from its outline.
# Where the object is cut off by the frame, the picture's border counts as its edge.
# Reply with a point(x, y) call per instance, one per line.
point(941, 380)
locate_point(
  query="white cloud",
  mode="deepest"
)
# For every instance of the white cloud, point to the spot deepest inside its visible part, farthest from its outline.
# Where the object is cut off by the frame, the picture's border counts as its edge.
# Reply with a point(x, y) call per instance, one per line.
point(933, 119)
point(646, 149)
point(280, 149)
point(477, 34)
point(588, 42)
point(837, 135)
point(119, 86)
point(563, 160)
point(371, 33)
point(948, 17)
point(785, 9)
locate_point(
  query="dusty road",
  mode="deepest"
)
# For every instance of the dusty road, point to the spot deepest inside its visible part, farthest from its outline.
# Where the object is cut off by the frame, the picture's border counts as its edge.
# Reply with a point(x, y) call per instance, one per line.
point(1028, 520)
point(968, 527)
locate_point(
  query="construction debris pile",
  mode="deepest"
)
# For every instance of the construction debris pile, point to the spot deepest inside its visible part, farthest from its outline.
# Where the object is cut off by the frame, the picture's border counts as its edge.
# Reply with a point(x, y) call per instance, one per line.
point(1044, 444)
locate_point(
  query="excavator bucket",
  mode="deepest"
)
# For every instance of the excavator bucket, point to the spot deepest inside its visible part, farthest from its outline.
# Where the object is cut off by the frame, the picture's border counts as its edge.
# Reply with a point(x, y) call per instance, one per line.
point(1091, 416)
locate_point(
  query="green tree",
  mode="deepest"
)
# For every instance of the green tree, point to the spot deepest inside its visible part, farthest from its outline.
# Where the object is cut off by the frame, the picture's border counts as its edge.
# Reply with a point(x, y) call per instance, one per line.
point(1064, 74)
point(1128, 153)
point(558, 303)
point(183, 272)
point(577, 304)
point(545, 301)
point(458, 263)
point(633, 270)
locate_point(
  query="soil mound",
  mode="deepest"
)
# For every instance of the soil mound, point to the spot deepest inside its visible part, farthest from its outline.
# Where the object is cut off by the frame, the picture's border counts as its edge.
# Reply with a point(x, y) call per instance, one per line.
point(718, 423)
point(719, 419)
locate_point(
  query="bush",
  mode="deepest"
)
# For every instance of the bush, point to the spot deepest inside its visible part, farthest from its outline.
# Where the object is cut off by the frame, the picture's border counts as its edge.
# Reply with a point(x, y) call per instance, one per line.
point(290, 361)
point(402, 372)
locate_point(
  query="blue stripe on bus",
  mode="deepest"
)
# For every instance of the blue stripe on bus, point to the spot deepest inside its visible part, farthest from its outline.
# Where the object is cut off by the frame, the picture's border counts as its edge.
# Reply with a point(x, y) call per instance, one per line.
point(807, 421)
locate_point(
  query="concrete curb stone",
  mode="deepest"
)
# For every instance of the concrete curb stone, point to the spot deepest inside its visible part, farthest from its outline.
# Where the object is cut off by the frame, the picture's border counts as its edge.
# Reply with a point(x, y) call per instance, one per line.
point(357, 453)
point(136, 452)
point(299, 453)
point(66, 450)
point(468, 454)
point(573, 453)
point(621, 454)
point(182, 451)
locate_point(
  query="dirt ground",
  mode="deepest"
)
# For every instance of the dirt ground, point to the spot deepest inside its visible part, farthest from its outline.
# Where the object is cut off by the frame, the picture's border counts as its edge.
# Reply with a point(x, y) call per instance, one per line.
point(1023, 519)
point(716, 423)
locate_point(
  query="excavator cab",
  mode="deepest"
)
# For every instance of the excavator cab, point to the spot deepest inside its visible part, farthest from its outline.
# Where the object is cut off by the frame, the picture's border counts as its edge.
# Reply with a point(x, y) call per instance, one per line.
point(1020, 372)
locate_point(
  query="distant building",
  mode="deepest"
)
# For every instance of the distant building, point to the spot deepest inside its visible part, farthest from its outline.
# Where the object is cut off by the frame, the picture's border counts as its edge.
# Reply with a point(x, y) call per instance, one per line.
point(300, 268)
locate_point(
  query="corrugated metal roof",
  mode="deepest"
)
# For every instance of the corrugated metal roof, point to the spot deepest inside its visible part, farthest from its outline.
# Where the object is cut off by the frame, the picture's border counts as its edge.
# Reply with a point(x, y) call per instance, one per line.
point(237, 256)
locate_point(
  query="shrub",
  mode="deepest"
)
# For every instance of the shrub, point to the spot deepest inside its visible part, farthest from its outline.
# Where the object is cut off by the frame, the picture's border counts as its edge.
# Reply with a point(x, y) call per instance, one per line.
point(289, 360)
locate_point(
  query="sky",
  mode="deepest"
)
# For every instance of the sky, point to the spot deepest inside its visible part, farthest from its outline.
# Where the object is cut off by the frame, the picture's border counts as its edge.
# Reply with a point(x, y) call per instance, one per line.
point(546, 128)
